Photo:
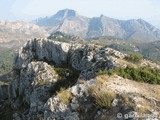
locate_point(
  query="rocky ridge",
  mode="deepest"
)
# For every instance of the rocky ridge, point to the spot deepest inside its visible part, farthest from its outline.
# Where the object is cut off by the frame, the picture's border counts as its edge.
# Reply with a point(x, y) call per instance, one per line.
point(40, 90)
point(35, 80)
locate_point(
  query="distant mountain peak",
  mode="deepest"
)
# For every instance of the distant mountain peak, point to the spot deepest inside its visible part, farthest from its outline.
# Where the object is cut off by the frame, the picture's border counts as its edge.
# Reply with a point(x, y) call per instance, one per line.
point(66, 13)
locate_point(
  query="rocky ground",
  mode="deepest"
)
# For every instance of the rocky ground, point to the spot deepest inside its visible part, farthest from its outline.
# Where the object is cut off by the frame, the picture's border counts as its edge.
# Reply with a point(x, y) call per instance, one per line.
point(58, 81)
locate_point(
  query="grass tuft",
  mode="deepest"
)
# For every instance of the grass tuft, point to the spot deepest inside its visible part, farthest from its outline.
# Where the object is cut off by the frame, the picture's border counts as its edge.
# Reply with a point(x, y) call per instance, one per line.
point(64, 96)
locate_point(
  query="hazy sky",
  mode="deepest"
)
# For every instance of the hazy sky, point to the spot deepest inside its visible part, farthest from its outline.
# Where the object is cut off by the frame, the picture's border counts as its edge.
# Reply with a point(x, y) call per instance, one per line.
point(148, 10)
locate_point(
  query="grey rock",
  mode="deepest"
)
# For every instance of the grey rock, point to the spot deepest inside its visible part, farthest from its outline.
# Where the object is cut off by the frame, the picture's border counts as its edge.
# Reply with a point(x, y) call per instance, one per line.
point(3, 92)
point(54, 109)
point(74, 106)
point(79, 90)
point(74, 100)
point(98, 113)
point(41, 49)
point(33, 86)
point(72, 116)
point(16, 116)
point(81, 57)
point(115, 102)
point(34, 78)
point(89, 60)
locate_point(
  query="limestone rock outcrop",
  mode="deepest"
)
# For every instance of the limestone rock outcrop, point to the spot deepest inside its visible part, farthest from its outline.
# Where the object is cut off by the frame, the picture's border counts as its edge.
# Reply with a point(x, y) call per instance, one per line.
point(32, 86)
point(36, 81)
point(85, 58)
point(41, 50)
point(57, 81)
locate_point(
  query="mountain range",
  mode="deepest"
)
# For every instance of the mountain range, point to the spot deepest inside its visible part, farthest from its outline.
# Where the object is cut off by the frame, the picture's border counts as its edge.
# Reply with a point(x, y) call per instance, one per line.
point(17, 32)
point(70, 22)
point(64, 77)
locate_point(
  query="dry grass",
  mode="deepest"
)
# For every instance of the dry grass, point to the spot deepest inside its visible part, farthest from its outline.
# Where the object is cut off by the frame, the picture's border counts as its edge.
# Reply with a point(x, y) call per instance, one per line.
point(157, 93)
point(101, 79)
point(127, 101)
point(125, 98)
point(2, 83)
point(132, 93)
point(102, 98)
point(64, 96)
point(145, 106)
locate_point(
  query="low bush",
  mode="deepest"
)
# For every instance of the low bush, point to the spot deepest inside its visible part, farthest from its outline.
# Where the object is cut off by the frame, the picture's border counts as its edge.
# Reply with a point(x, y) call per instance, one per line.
point(133, 57)
point(142, 74)
point(66, 72)
point(67, 76)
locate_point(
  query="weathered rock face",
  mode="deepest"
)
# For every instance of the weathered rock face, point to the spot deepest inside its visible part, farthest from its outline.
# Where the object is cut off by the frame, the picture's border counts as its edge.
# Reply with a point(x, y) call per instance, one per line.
point(90, 59)
point(32, 86)
point(35, 82)
point(3, 92)
point(42, 50)
point(85, 58)
point(56, 109)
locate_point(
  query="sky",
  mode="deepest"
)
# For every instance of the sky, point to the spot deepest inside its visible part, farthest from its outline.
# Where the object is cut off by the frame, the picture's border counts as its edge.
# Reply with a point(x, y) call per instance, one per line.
point(28, 10)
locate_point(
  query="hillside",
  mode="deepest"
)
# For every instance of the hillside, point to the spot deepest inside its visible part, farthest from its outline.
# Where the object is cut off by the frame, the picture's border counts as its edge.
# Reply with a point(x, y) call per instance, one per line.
point(58, 80)
point(149, 50)
point(14, 33)
point(70, 22)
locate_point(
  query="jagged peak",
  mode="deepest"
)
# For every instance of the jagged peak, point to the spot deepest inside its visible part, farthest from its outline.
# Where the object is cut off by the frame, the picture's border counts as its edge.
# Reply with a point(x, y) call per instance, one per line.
point(141, 20)
point(66, 13)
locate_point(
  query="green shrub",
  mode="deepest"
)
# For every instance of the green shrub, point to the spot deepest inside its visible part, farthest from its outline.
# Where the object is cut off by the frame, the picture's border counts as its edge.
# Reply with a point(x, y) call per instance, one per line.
point(67, 76)
point(142, 74)
point(3, 84)
point(6, 58)
point(66, 72)
point(133, 57)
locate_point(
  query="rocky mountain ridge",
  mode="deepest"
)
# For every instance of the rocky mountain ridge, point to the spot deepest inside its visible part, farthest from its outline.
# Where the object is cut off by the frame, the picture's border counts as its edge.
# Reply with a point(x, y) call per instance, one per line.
point(34, 78)
point(45, 86)
point(70, 22)
point(67, 21)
